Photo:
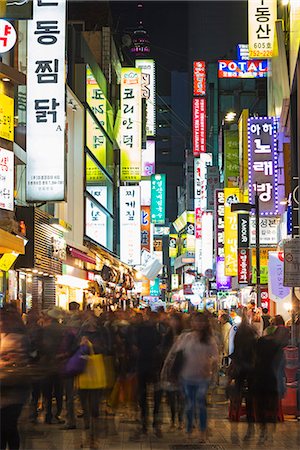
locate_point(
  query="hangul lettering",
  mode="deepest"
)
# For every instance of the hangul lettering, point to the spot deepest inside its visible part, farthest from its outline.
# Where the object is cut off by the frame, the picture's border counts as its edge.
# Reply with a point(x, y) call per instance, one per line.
point(130, 215)
point(45, 66)
point(263, 166)
point(265, 190)
point(265, 29)
point(130, 204)
point(4, 164)
point(128, 109)
point(7, 31)
point(262, 14)
point(221, 237)
point(261, 148)
point(128, 94)
point(267, 128)
point(47, 3)
point(128, 140)
point(128, 123)
point(42, 110)
point(144, 237)
point(47, 28)
point(98, 141)
point(130, 193)
point(255, 128)
point(221, 252)
point(97, 94)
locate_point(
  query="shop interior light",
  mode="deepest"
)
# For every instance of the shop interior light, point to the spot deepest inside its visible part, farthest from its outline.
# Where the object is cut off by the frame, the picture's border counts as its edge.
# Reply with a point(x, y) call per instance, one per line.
point(285, 2)
point(6, 79)
point(34, 271)
point(230, 116)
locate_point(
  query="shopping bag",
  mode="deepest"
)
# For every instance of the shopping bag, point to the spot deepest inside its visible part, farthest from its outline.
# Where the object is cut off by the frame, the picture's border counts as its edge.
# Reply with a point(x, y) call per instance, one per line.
point(76, 364)
point(93, 377)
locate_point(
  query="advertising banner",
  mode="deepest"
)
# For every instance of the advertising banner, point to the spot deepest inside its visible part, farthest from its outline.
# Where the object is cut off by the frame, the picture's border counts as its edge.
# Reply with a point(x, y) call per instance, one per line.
point(174, 281)
point(292, 263)
point(173, 248)
point(223, 281)
point(243, 265)
point(199, 75)
point(219, 223)
point(231, 158)
point(243, 69)
point(242, 51)
point(207, 241)
point(263, 163)
point(6, 179)
point(268, 230)
point(148, 159)
point(243, 230)
point(213, 183)
point(199, 125)
point(158, 198)
point(264, 258)
point(95, 218)
point(145, 228)
point(45, 128)
point(147, 67)
point(277, 290)
point(95, 138)
point(6, 117)
point(262, 15)
point(131, 124)
point(145, 186)
point(243, 147)
point(130, 225)
point(231, 195)
point(8, 35)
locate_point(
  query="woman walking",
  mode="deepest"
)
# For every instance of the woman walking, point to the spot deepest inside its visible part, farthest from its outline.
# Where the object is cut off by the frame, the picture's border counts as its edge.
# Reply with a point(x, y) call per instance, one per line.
point(199, 355)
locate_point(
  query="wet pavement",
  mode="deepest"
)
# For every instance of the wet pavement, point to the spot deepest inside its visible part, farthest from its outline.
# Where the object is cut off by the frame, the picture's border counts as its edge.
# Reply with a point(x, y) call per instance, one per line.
point(121, 432)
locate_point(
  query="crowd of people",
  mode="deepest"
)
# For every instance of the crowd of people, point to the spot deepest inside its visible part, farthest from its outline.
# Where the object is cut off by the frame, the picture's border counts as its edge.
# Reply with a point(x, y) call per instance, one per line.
point(137, 357)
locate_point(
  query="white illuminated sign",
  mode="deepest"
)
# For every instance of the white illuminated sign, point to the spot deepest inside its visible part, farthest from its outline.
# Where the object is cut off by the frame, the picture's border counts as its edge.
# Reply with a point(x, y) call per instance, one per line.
point(147, 67)
point(130, 225)
point(148, 159)
point(95, 218)
point(145, 192)
point(46, 102)
point(6, 179)
point(207, 241)
point(8, 36)
point(262, 15)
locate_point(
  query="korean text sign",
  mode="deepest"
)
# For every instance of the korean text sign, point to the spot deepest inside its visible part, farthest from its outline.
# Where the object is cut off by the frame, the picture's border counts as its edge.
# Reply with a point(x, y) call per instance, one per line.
point(263, 163)
point(199, 125)
point(145, 228)
point(243, 69)
point(147, 67)
point(158, 198)
point(130, 225)
point(262, 15)
point(95, 218)
point(231, 195)
point(6, 179)
point(46, 102)
point(131, 124)
point(199, 78)
point(6, 117)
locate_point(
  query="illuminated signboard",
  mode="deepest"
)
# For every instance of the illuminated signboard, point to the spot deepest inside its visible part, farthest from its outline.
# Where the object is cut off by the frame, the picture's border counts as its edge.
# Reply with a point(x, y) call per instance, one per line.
point(243, 265)
point(131, 124)
point(200, 177)
point(262, 15)
point(263, 163)
point(243, 69)
point(231, 195)
point(207, 241)
point(147, 67)
point(8, 36)
point(223, 281)
point(148, 159)
point(242, 51)
point(95, 138)
point(219, 222)
point(130, 224)
point(158, 198)
point(199, 125)
point(173, 248)
point(145, 228)
point(45, 130)
point(231, 158)
point(199, 78)
point(95, 218)
point(6, 179)
point(145, 186)
point(6, 117)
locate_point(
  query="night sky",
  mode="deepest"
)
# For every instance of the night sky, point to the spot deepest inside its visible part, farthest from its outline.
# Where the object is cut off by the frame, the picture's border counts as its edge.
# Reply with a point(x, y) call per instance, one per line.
point(181, 31)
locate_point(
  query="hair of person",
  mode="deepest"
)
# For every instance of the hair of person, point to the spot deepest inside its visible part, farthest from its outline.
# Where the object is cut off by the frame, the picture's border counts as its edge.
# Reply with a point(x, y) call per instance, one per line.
point(278, 320)
point(11, 321)
point(265, 310)
point(206, 332)
point(225, 317)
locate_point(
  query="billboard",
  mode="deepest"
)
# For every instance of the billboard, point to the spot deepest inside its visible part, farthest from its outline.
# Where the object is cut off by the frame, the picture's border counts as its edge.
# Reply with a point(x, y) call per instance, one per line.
point(148, 159)
point(231, 158)
point(95, 218)
point(242, 51)
point(130, 224)
point(6, 179)
point(173, 247)
point(199, 77)
point(263, 163)
point(6, 117)
point(231, 195)
point(243, 69)
point(147, 67)
point(8, 36)
point(131, 124)
point(223, 281)
point(243, 265)
point(158, 198)
point(262, 15)
point(45, 133)
point(199, 125)
point(145, 228)
point(207, 241)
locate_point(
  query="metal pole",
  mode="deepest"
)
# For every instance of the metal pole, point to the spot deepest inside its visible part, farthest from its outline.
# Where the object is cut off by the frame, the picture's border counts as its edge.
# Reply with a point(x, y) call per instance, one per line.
point(258, 293)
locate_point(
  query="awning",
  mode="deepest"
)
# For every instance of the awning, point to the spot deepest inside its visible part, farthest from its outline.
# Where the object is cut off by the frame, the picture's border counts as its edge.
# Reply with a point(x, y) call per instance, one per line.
point(11, 243)
point(81, 255)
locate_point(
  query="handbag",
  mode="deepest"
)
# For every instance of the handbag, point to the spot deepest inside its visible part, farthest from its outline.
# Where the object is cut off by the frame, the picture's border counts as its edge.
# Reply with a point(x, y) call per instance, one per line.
point(93, 376)
point(76, 364)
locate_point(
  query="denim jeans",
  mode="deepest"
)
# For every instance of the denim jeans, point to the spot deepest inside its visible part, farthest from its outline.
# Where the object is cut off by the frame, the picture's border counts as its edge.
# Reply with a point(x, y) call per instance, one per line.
point(195, 397)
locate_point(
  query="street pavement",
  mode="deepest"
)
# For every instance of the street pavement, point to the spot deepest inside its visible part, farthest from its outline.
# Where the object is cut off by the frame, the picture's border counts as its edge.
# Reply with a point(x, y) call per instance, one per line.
point(119, 433)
